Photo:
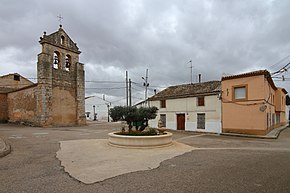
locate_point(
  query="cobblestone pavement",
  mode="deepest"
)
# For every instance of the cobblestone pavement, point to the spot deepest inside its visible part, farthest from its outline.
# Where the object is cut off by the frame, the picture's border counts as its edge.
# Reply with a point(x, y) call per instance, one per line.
point(221, 164)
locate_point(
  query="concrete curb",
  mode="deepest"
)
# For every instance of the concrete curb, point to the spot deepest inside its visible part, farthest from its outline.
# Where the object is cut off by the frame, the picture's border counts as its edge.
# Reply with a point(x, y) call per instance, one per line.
point(274, 134)
point(5, 150)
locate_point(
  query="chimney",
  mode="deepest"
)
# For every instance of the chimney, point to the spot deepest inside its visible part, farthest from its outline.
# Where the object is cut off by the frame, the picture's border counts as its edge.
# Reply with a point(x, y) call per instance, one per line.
point(199, 78)
point(155, 91)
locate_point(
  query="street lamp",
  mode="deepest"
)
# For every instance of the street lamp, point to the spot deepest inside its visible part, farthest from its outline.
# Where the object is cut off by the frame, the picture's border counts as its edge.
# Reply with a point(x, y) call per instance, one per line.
point(146, 84)
point(94, 112)
point(108, 105)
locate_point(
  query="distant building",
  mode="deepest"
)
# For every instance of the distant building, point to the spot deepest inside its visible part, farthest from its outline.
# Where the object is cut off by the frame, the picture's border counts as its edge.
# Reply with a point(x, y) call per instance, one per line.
point(57, 99)
point(252, 104)
point(191, 107)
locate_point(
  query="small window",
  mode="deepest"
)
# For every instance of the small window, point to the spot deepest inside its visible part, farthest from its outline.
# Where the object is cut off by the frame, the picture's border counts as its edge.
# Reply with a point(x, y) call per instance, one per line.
point(240, 93)
point(163, 104)
point(62, 40)
point(200, 101)
point(16, 77)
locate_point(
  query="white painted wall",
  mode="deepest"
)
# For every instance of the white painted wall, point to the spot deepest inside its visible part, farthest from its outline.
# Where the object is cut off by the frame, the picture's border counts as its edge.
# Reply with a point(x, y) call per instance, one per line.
point(188, 106)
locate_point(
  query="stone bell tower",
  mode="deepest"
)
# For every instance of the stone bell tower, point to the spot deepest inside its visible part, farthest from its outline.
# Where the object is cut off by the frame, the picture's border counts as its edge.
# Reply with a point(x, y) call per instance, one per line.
point(60, 76)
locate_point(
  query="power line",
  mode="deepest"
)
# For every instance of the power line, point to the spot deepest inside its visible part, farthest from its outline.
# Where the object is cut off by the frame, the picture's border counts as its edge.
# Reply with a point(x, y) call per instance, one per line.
point(90, 81)
point(277, 63)
point(103, 88)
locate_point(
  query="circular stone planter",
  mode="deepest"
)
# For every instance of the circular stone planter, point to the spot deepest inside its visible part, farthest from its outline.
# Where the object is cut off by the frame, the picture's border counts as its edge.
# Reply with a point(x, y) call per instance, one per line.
point(140, 141)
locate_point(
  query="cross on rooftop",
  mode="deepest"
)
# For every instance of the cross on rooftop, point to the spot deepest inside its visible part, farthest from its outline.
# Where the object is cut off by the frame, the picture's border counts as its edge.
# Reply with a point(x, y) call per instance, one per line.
point(60, 18)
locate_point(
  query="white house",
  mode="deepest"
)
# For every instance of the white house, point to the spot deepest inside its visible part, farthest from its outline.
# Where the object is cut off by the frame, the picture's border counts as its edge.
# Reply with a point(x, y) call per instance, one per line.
point(191, 107)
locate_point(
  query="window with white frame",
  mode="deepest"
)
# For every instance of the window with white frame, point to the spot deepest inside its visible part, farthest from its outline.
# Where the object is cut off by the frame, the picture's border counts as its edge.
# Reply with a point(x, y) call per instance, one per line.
point(240, 92)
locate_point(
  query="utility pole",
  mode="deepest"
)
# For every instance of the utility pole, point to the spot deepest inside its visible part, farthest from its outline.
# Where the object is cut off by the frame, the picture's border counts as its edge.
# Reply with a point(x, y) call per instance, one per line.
point(127, 88)
point(130, 92)
point(146, 84)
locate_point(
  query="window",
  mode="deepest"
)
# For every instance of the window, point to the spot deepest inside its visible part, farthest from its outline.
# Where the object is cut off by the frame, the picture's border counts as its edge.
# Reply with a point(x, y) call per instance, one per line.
point(67, 62)
point(56, 60)
point(163, 119)
point(62, 40)
point(163, 104)
point(240, 93)
point(200, 101)
point(200, 120)
point(16, 77)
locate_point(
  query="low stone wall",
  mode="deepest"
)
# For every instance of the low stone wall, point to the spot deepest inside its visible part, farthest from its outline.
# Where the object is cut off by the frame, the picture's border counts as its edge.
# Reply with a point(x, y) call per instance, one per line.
point(140, 141)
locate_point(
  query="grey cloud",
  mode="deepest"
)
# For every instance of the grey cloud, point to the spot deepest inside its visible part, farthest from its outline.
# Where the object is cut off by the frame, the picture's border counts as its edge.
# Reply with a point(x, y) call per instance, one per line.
point(115, 36)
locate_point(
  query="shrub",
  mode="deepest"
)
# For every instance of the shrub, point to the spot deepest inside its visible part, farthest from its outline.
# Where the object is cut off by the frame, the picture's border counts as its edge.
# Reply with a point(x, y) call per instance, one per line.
point(133, 115)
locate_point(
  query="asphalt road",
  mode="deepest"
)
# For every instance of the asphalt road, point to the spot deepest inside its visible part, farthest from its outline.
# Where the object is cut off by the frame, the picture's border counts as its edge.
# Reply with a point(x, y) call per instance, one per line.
point(222, 164)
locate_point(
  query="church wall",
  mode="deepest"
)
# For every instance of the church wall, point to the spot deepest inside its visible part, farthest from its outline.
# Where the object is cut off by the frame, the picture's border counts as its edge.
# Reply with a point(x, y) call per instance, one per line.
point(63, 106)
point(3, 108)
point(22, 106)
point(14, 81)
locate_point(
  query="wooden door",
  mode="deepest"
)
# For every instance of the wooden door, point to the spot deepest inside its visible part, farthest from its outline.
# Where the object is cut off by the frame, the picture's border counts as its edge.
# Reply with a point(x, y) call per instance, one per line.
point(180, 121)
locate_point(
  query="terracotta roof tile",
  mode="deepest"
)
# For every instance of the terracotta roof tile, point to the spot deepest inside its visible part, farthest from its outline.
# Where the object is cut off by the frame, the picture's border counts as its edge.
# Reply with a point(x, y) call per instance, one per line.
point(247, 74)
point(188, 90)
point(266, 74)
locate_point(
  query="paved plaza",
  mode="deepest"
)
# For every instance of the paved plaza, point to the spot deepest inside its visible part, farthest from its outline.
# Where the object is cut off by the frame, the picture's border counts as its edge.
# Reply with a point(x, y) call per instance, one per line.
point(214, 164)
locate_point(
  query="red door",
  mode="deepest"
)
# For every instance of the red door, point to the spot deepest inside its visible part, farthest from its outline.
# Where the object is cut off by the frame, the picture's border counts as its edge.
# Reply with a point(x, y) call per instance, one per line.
point(180, 121)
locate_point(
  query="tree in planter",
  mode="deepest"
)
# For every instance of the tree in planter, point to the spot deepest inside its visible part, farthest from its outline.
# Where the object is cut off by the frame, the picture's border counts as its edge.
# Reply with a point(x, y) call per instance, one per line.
point(117, 113)
point(138, 116)
point(145, 114)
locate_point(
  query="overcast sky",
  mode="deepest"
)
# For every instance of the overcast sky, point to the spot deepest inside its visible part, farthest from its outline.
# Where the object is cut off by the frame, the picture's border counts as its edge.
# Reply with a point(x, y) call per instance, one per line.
point(219, 36)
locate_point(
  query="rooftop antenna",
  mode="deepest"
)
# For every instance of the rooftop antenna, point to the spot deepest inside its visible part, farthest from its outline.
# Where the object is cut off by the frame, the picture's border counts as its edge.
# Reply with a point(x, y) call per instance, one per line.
point(60, 18)
point(190, 61)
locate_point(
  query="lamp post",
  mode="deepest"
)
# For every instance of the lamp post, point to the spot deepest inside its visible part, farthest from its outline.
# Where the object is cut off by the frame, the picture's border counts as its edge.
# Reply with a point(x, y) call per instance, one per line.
point(146, 84)
point(108, 105)
point(94, 108)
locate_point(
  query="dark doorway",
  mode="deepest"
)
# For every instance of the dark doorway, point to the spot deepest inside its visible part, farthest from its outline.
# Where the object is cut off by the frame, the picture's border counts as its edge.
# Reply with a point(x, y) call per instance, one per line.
point(180, 121)
point(163, 118)
point(201, 120)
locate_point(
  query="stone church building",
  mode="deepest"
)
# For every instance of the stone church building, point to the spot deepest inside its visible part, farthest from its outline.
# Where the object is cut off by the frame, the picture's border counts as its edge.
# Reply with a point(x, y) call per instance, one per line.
point(57, 99)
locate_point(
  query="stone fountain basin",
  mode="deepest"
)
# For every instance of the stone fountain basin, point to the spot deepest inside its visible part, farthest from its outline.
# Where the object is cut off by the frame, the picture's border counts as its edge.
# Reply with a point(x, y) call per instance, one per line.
point(153, 141)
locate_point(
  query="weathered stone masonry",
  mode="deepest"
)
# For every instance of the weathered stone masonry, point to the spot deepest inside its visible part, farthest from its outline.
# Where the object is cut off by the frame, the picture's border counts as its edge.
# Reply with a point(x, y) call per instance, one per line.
point(58, 97)
point(60, 81)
